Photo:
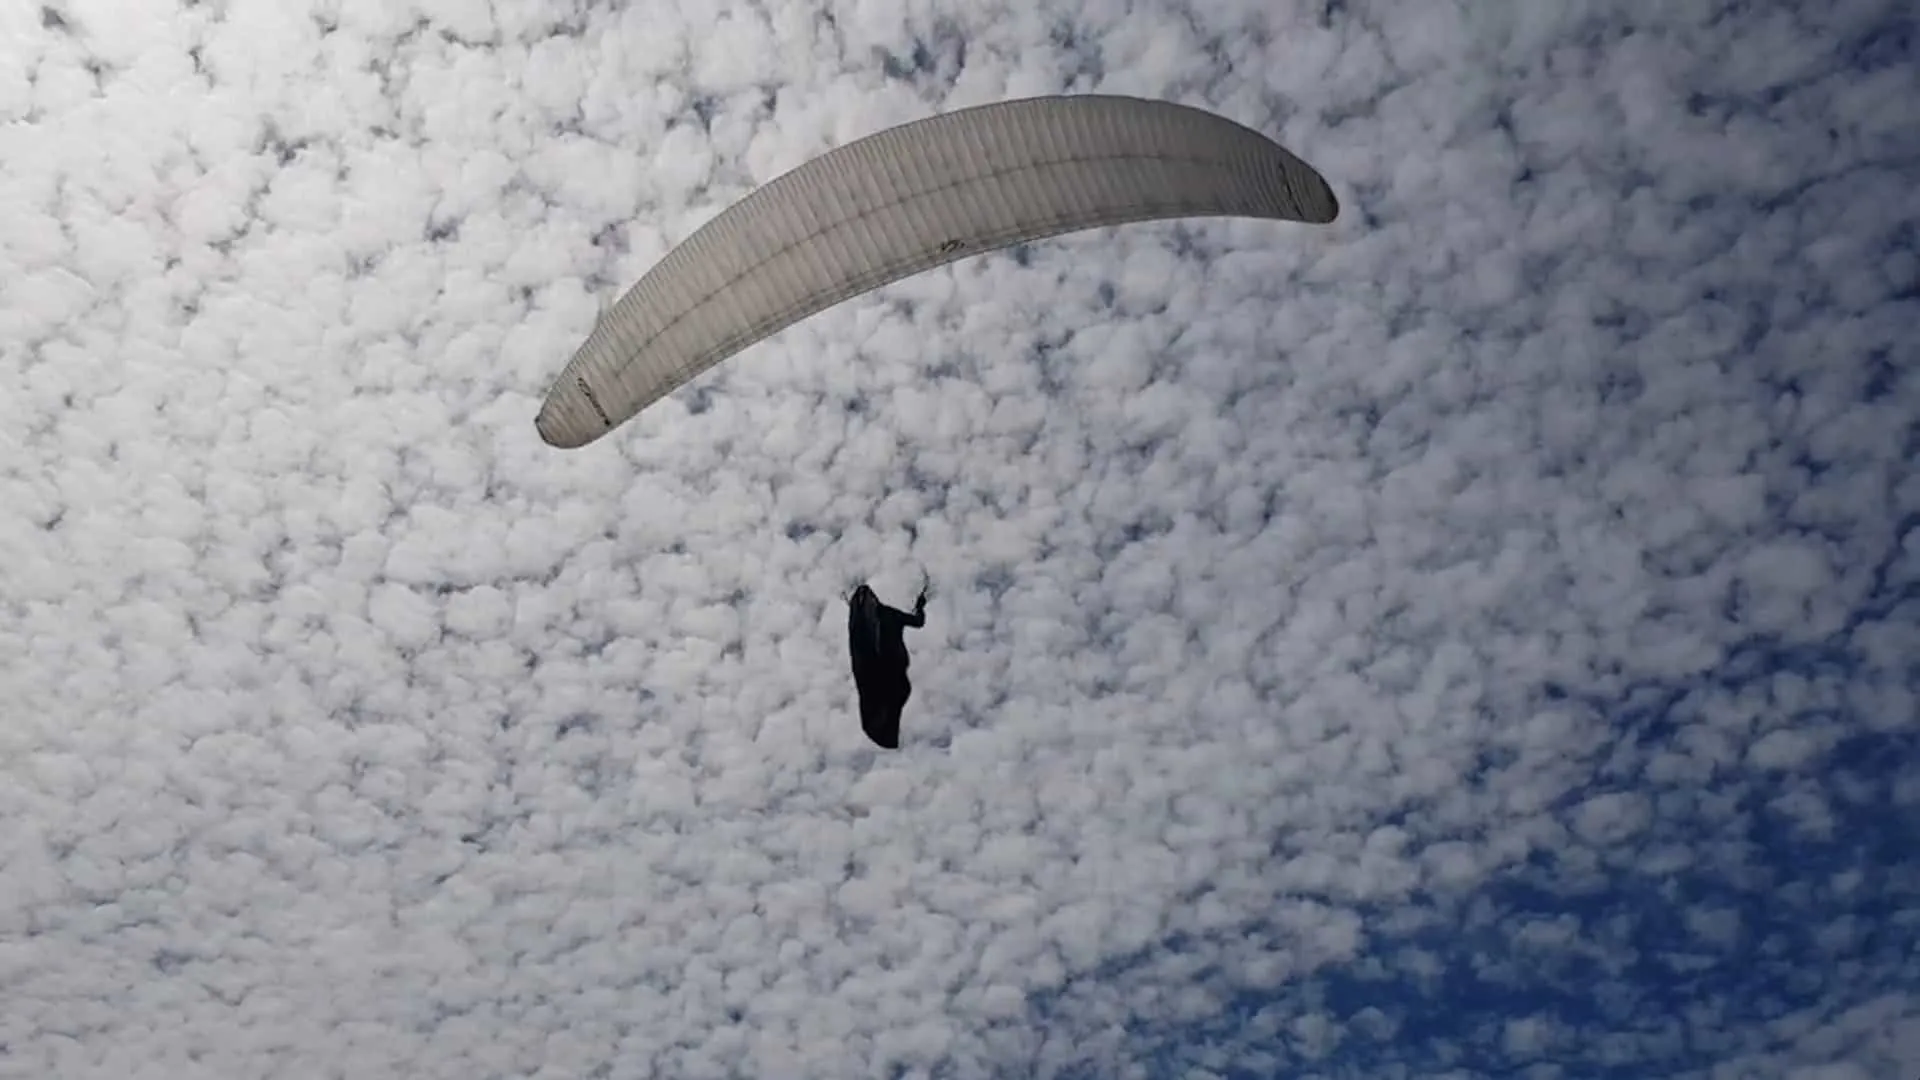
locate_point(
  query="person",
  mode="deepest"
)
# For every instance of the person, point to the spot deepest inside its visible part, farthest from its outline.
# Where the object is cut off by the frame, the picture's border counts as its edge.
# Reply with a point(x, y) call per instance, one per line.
point(876, 640)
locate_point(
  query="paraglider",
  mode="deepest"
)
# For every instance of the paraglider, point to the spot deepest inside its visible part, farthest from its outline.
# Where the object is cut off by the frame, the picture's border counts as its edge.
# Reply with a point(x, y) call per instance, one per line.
point(906, 200)
point(876, 645)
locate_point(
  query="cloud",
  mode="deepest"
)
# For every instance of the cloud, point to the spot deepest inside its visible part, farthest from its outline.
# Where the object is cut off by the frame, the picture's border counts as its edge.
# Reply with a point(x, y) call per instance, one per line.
point(1472, 636)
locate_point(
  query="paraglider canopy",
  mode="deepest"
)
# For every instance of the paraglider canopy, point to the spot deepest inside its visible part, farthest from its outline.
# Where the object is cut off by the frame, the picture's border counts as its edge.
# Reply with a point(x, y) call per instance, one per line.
point(906, 200)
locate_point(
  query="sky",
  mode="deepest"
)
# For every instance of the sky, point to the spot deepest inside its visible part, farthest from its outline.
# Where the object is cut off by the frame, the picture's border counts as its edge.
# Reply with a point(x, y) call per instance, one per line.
point(1477, 637)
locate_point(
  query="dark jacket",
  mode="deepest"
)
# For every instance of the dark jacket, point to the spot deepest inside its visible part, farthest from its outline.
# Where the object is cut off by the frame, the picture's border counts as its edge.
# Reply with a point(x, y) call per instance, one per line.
point(876, 644)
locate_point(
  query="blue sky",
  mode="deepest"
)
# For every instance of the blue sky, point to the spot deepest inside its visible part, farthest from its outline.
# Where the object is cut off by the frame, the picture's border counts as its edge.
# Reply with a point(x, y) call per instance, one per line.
point(1472, 638)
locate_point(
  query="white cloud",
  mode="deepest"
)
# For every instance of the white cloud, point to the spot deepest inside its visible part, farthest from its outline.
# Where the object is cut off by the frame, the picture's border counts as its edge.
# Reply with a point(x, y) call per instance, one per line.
point(1612, 818)
point(1398, 646)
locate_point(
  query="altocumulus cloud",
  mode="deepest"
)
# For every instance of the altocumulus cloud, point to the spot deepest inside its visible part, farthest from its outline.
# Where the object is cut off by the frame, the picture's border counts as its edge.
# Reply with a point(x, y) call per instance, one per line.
point(1475, 637)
